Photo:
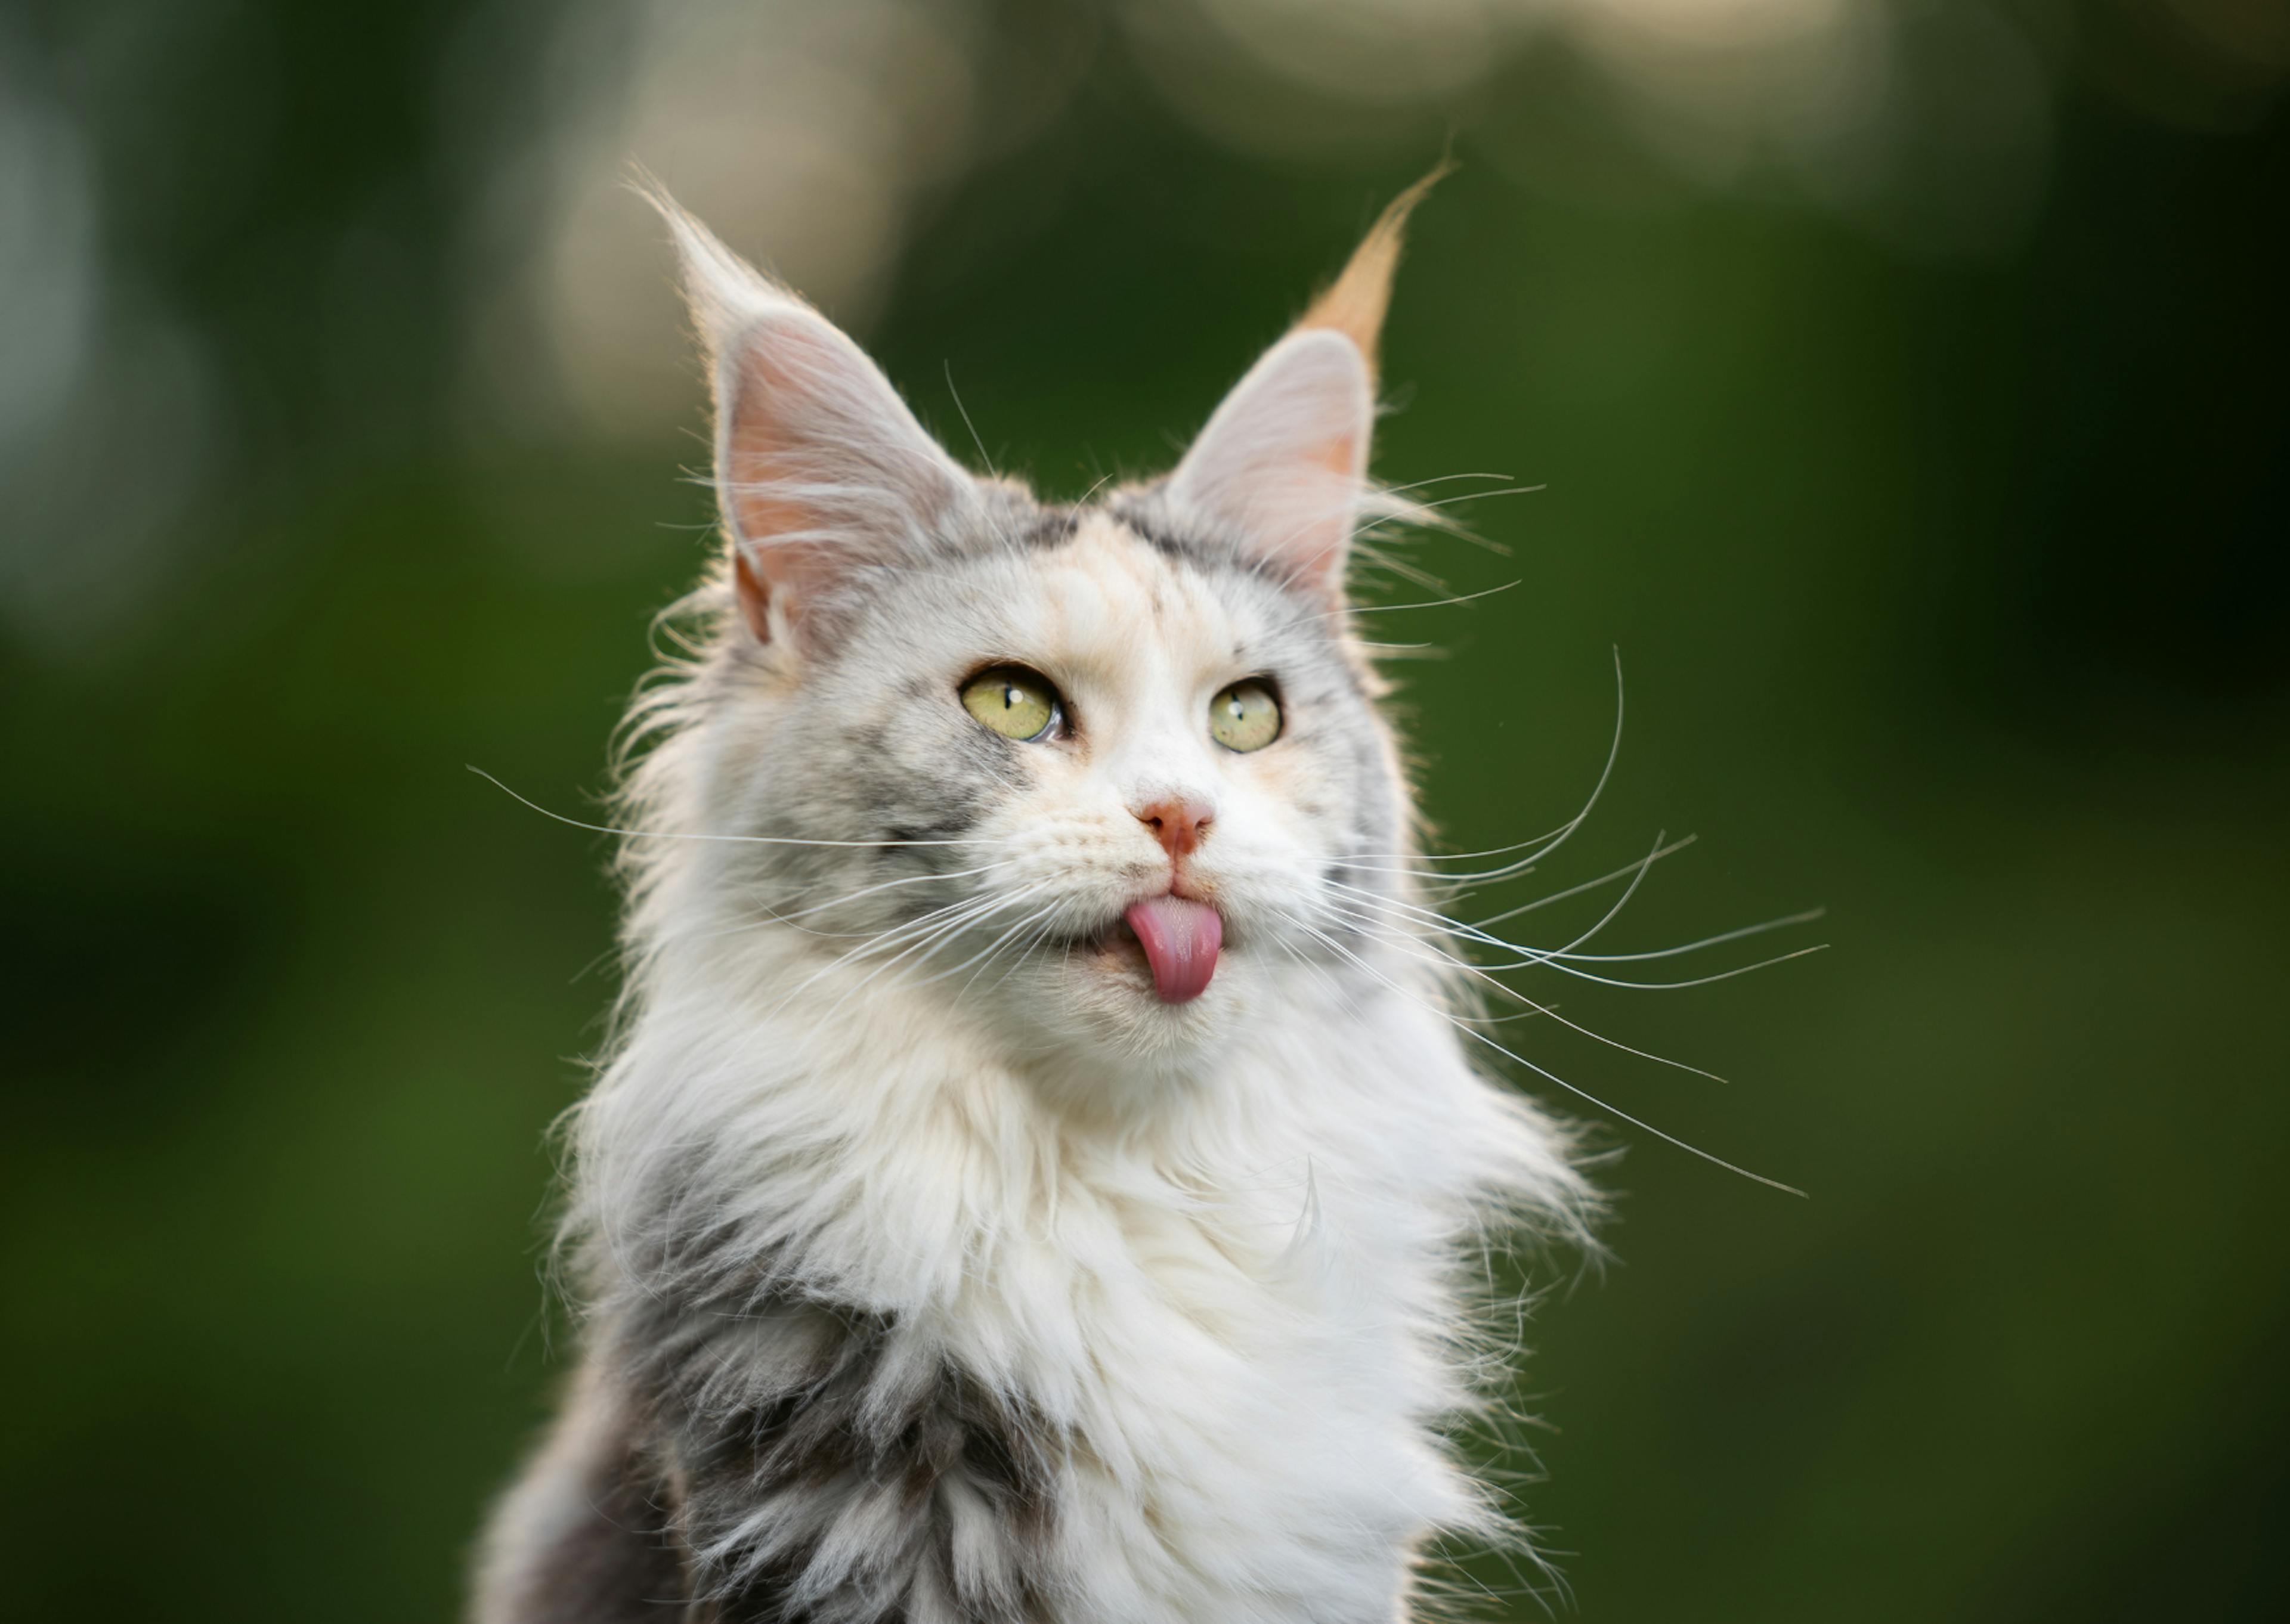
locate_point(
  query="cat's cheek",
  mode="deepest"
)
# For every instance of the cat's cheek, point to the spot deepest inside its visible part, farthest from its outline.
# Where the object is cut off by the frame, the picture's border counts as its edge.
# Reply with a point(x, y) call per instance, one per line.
point(1300, 804)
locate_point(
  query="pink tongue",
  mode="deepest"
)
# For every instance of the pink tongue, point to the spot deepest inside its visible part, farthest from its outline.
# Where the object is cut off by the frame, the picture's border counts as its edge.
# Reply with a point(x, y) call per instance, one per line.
point(1180, 940)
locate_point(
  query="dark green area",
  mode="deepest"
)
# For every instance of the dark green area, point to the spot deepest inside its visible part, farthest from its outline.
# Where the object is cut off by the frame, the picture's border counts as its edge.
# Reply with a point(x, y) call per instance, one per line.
point(1950, 595)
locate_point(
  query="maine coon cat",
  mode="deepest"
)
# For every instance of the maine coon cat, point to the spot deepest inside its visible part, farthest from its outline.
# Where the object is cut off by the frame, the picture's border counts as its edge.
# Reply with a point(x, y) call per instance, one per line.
point(1036, 1177)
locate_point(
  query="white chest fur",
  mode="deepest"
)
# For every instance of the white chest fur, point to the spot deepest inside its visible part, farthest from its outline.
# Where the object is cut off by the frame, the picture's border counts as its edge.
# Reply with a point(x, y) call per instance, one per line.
point(1234, 1305)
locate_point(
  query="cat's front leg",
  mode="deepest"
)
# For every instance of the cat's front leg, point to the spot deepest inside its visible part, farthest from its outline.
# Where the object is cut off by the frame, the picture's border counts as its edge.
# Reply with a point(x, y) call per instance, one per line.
point(588, 1532)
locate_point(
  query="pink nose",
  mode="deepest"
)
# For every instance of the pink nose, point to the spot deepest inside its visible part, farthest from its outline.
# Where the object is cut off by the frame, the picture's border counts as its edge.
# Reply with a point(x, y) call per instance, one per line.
point(1178, 824)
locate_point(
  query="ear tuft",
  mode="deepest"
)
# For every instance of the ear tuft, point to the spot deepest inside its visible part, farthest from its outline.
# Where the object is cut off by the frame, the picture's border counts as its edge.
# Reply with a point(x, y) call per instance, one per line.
point(725, 293)
point(1354, 302)
point(1281, 466)
point(821, 472)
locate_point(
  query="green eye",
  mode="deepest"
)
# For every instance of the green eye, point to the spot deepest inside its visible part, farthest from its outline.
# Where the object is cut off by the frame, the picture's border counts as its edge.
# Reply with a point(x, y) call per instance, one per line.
point(1245, 717)
point(1013, 701)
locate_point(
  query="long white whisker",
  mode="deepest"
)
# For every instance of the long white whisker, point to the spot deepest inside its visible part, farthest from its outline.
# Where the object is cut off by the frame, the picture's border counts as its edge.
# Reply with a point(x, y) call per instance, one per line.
point(984, 455)
point(1435, 603)
point(1533, 1007)
point(937, 923)
point(1531, 957)
point(1541, 845)
point(1614, 753)
point(1702, 981)
point(1549, 1075)
point(1807, 918)
point(1048, 919)
point(985, 955)
point(936, 938)
point(765, 840)
point(1443, 479)
point(868, 891)
point(1557, 958)
point(766, 918)
point(1575, 890)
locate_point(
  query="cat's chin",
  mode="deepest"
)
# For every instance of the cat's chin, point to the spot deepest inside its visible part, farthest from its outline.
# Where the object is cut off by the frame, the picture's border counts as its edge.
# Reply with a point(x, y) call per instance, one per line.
point(1093, 1000)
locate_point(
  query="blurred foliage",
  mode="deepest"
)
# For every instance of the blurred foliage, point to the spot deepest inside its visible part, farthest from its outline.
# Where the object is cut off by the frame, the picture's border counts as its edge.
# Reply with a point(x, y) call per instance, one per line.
point(1949, 593)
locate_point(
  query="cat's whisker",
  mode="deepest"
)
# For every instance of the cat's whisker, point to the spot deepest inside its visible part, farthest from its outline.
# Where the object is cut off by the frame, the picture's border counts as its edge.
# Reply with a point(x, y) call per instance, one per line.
point(984, 908)
point(1543, 1072)
point(1390, 513)
point(937, 922)
point(1327, 978)
point(930, 942)
point(765, 840)
point(1533, 1007)
point(1531, 955)
point(985, 955)
point(984, 456)
point(1704, 981)
point(1437, 603)
point(868, 891)
point(1558, 958)
point(1736, 934)
point(934, 923)
point(1047, 922)
point(1614, 752)
point(1474, 496)
point(1541, 845)
point(1674, 847)
point(1442, 479)
point(1403, 862)
point(765, 918)
point(1517, 1016)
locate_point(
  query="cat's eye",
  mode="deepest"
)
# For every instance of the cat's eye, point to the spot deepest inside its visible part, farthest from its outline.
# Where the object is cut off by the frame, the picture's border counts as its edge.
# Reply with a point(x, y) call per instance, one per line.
point(1013, 701)
point(1245, 717)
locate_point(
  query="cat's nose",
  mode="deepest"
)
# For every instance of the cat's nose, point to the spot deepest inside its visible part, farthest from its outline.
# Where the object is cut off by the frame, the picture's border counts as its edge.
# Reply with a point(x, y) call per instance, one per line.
point(1178, 824)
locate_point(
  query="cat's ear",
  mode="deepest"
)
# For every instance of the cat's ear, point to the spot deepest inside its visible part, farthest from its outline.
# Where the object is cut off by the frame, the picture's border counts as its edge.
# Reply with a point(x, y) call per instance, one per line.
point(821, 472)
point(1282, 466)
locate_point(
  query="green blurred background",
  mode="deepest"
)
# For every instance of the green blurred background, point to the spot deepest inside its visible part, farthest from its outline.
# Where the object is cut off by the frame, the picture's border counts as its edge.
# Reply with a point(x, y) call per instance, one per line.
point(1905, 382)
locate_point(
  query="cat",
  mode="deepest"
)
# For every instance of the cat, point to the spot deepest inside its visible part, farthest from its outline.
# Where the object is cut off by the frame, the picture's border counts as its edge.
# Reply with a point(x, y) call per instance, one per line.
point(1036, 1176)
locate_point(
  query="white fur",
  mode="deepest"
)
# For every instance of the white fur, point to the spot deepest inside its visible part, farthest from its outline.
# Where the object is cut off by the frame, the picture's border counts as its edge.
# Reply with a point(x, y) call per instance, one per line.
point(1224, 1258)
point(1218, 1248)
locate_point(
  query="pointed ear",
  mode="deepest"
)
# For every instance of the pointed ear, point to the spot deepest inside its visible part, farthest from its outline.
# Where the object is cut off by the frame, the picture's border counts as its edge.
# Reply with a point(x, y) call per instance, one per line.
point(1282, 466)
point(821, 472)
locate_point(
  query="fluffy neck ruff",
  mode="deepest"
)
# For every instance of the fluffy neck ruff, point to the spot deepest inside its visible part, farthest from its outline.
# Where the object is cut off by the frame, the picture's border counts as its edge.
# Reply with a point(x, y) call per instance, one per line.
point(1223, 1294)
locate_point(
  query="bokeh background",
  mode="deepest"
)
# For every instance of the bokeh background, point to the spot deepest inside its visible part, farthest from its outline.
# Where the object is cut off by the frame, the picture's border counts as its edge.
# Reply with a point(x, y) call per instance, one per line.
point(1904, 382)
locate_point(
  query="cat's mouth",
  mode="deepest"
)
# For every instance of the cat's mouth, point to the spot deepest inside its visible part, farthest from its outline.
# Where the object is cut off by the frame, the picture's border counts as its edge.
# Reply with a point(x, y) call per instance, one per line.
point(1181, 939)
point(1175, 940)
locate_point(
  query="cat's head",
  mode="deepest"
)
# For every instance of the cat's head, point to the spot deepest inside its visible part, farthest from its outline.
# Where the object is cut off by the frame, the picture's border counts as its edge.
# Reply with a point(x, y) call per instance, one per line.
point(1111, 775)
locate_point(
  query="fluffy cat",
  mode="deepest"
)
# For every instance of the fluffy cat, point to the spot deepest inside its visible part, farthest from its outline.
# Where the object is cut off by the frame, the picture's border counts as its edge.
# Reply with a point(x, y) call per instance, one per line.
point(1035, 1170)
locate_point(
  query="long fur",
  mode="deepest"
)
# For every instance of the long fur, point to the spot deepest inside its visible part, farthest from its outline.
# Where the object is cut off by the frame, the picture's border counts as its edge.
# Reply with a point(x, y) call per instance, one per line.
point(928, 1267)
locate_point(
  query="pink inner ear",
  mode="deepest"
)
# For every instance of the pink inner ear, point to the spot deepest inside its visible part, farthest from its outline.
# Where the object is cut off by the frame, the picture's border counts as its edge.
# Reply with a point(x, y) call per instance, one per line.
point(771, 548)
point(753, 593)
point(1283, 462)
point(820, 466)
point(778, 436)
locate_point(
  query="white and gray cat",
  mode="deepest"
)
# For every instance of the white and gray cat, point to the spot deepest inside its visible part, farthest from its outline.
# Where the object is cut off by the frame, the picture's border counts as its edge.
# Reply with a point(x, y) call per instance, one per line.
point(1036, 1169)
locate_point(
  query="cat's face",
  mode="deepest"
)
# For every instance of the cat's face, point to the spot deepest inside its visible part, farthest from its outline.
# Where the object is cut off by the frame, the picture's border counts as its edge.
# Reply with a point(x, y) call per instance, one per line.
point(1111, 777)
point(1014, 846)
